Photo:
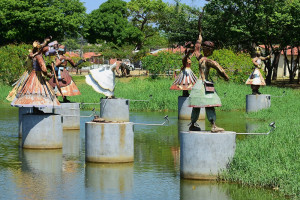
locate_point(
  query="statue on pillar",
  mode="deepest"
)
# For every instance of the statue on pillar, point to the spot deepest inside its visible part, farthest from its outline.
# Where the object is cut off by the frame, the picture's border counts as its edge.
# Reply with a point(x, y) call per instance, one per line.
point(256, 79)
point(61, 79)
point(203, 94)
point(103, 79)
point(36, 91)
point(186, 79)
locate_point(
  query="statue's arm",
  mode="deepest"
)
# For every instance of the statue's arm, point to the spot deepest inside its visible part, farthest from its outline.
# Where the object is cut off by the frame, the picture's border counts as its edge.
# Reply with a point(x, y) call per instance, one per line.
point(213, 64)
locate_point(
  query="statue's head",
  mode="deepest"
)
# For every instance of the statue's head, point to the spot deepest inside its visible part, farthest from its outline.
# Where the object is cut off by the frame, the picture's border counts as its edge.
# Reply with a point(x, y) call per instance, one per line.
point(36, 46)
point(208, 48)
point(257, 51)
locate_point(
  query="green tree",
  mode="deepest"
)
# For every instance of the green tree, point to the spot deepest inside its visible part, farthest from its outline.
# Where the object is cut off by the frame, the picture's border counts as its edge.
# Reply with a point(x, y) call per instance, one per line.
point(180, 23)
point(28, 20)
point(109, 23)
point(144, 14)
point(245, 24)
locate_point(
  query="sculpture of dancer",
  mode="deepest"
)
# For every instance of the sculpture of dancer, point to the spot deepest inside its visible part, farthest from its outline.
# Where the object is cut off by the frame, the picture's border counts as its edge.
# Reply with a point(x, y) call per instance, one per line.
point(256, 79)
point(203, 94)
point(65, 85)
point(103, 79)
point(186, 79)
point(36, 91)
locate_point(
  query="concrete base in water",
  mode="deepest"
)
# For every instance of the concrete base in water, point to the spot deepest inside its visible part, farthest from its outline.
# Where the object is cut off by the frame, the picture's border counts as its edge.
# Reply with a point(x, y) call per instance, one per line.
point(22, 111)
point(109, 142)
point(70, 113)
point(204, 154)
point(115, 110)
point(184, 111)
point(42, 131)
point(257, 102)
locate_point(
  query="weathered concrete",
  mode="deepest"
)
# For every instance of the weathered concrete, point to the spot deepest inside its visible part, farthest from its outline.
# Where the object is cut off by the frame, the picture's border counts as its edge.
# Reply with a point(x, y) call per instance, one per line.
point(109, 142)
point(22, 111)
point(110, 177)
point(116, 110)
point(206, 190)
point(183, 125)
point(70, 113)
point(204, 154)
point(42, 131)
point(257, 102)
point(184, 111)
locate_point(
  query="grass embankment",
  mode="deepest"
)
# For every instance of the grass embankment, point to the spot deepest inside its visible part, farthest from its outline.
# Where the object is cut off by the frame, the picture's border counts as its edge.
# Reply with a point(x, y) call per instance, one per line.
point(270, 161)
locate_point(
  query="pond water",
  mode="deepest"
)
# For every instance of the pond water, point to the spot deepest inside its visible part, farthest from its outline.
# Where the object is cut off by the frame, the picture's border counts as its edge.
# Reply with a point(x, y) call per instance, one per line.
point(64, 174)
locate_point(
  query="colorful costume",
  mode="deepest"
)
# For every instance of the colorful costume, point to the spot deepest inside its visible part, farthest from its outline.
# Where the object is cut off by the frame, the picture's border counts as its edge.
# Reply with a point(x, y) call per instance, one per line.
point(256, 77)
point(36, 91)
point(103, 79)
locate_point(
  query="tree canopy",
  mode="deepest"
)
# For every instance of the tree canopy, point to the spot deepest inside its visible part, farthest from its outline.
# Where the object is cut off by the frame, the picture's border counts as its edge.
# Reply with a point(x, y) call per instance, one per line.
point(109, 23)
point(23, 20)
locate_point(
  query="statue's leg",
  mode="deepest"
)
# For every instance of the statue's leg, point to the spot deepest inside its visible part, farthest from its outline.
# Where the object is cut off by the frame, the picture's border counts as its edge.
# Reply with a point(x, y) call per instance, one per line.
point(211, 117)
point(255, 89)
point(194, 117)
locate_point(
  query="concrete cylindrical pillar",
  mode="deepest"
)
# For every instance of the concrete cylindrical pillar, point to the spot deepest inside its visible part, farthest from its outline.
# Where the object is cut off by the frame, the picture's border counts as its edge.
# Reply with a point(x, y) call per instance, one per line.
point(70, 113)
point(184, 111)
point(42, 131)
point(116, 110)
point(257, 102)
point(203, 154)
point(109, 142)
point(22, 111)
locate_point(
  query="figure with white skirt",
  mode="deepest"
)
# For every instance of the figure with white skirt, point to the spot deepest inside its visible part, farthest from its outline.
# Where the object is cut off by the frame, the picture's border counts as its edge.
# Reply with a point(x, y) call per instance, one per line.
point(103, 79)
point(256, 79)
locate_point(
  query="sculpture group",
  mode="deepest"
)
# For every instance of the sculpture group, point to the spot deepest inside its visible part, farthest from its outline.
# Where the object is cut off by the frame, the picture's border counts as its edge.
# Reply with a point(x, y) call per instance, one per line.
point(33, 90)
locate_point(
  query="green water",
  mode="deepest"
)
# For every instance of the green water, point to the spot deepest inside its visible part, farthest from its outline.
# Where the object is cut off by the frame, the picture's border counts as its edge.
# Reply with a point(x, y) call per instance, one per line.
point(64, 174)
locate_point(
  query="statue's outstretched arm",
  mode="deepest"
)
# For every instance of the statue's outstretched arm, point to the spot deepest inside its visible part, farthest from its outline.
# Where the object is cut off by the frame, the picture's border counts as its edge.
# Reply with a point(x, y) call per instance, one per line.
point(213, 64)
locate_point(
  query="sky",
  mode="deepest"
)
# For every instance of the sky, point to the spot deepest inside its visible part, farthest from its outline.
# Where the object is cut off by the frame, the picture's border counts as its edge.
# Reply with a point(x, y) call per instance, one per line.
point(94, 4)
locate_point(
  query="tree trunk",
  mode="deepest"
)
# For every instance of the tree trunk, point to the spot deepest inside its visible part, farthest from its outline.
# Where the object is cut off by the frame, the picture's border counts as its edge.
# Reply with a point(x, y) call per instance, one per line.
point(269, 67)
point(275, 64)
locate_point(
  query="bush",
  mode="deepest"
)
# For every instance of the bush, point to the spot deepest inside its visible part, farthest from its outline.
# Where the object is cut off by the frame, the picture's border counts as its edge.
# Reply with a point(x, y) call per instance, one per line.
point(237, 66)
point(12, 62)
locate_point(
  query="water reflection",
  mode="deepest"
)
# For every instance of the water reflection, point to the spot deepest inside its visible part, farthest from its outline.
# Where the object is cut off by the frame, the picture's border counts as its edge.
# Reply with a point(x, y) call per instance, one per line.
point(115, 180)
point(71, 150)
point(202, 191)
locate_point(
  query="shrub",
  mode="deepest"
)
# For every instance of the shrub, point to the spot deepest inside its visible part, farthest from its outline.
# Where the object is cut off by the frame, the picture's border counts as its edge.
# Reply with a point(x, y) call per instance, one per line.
point(12, 62)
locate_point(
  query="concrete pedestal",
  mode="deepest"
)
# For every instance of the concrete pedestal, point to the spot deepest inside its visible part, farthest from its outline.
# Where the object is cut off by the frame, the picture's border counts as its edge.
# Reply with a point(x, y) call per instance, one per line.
point(22, 111)
point(257, 102)
point(42, 131)
point(70, 113)
point(204, 154)
point(115, 110)
point(109, 142)
point(184, 111)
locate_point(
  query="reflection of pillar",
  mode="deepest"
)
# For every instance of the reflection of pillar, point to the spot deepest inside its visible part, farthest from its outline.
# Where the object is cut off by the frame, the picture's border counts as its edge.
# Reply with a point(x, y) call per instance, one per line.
point(184, 111)
point(40, 172)
point(191, 189)
point(113, 179)
point(71, 150)
point(42, 161)
point(183, 125)
point(251, 126)
point(71, 144)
